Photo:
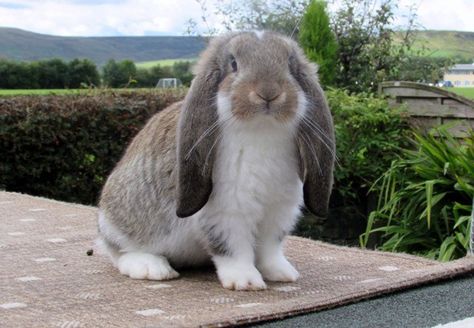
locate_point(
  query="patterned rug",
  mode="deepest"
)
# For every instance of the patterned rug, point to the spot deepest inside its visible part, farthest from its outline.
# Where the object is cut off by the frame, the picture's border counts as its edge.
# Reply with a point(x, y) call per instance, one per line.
point(49, 278)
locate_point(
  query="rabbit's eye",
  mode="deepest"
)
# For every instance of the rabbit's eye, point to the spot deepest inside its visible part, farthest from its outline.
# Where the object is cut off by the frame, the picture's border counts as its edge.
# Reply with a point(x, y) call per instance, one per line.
point(233, 64)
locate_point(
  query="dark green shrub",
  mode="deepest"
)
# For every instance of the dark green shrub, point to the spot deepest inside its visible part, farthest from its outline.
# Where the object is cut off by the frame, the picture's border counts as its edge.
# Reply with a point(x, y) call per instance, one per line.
point(425, 199)
point(64, 147)
point(369, 135)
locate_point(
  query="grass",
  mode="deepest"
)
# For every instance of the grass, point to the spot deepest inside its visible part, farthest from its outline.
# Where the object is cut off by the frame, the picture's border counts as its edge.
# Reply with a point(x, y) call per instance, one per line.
point(18, 92)
point(466, 92)
point(444, 44)
point(163, 62)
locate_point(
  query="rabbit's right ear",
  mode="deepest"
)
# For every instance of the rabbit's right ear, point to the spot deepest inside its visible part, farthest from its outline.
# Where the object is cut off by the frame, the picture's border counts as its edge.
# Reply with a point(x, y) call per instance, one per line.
point(197, 131)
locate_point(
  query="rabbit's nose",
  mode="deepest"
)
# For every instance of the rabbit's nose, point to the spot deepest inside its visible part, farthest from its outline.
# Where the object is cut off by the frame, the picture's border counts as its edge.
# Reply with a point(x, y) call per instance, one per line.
point(268, 98)
point(269, 93)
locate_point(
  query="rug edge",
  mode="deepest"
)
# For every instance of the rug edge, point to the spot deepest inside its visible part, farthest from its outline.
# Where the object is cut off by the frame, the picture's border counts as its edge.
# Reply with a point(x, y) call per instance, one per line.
point(457, 268)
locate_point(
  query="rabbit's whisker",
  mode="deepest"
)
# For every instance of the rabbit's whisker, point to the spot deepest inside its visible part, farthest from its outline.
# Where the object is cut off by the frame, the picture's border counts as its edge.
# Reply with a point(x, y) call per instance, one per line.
point(319, 133)
point(224, 124)
point(306, 139)
point(206, 133)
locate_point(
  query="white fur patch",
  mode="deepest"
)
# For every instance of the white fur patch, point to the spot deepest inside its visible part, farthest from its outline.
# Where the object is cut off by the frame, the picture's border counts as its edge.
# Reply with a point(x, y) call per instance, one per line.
point(257, 192)
point(145, 266)
point(237, 275)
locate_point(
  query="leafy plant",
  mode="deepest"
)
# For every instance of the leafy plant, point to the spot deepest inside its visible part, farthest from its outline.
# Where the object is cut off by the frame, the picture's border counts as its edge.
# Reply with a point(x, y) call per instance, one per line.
point(369, 134)
point(426, 197)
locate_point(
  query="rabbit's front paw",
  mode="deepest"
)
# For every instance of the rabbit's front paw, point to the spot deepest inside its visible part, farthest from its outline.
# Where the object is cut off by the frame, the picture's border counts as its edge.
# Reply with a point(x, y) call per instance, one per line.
point(279, 270)
point(146, 266)
point(240, 277)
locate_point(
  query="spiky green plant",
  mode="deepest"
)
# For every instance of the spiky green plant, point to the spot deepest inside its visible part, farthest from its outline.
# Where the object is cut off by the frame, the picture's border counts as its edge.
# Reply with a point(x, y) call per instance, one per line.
point(426, 198)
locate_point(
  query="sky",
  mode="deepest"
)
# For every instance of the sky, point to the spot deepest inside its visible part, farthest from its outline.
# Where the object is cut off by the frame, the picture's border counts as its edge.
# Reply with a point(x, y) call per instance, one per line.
point(169, 17)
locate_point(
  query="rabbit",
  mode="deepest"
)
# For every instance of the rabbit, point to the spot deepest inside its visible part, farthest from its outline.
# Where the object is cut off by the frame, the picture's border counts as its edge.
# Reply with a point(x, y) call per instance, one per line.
point(221, 176)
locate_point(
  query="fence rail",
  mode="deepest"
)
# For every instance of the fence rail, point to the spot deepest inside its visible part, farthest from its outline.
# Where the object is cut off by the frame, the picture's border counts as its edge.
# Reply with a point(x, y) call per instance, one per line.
point(431, 106)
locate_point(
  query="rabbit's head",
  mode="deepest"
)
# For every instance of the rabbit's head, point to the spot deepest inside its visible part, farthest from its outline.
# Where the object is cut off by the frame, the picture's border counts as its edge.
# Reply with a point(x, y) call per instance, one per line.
point(254, 76)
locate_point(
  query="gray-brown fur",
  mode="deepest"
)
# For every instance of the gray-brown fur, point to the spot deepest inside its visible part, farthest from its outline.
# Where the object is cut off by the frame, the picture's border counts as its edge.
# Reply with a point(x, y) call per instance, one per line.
point(143, 183)
point(316, 172)
point(216, 240)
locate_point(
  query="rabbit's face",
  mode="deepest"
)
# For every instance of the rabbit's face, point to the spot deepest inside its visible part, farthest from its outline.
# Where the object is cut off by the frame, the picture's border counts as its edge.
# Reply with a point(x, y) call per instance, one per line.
point(258, 80)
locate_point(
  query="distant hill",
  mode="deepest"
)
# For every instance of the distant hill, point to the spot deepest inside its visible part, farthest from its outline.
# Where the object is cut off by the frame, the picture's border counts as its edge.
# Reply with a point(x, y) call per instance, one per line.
point(22, 45)
point(454, 44)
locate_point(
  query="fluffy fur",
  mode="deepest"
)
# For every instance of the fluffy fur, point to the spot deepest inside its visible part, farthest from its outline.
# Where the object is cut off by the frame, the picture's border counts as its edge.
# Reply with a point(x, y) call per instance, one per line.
point(252, 139)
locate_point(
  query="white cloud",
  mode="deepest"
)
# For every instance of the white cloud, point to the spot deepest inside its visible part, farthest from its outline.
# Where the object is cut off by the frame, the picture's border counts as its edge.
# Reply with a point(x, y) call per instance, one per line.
point(169, 17)
point(95, 18)
point(447, 15)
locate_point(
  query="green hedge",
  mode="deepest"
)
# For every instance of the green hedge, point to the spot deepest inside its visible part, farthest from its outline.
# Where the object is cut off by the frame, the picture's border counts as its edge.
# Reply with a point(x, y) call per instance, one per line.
point(63, 147)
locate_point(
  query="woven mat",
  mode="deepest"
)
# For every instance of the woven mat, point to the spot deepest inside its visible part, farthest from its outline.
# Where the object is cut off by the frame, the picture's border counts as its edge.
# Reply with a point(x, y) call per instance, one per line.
point(48, 280)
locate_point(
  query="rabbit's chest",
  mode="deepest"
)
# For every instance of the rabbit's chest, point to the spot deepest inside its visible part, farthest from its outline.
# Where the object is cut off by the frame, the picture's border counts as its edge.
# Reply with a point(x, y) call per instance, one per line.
point(258, 166)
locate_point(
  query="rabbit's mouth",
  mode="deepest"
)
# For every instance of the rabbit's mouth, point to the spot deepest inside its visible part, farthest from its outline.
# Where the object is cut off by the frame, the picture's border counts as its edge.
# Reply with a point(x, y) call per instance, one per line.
point(280, 105)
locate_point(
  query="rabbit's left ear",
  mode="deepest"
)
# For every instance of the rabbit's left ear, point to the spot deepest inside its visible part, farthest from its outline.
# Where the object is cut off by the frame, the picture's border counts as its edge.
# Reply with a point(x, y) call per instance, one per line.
point(315, 139)
point(197, 130)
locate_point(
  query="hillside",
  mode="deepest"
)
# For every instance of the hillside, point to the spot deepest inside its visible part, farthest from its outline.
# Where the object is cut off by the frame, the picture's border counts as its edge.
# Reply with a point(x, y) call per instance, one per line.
point(459, 45)
point(22, 45)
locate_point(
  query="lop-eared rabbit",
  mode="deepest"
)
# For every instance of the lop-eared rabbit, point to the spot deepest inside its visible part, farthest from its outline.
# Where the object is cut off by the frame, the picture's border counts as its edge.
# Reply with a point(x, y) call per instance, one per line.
point(223, 174)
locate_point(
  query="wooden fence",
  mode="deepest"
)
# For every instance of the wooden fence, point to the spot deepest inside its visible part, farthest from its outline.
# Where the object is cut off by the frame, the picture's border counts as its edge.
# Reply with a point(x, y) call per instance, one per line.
point(431, 106)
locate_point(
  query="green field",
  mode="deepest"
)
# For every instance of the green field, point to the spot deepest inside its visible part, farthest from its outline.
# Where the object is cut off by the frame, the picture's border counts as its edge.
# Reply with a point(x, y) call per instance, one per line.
point(466, 92)
point(163, 62)
point(17, 92)
point(452, 44)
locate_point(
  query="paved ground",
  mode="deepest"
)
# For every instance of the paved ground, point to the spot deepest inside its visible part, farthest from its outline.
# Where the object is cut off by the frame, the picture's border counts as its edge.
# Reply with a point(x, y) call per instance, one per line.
point(421, 307)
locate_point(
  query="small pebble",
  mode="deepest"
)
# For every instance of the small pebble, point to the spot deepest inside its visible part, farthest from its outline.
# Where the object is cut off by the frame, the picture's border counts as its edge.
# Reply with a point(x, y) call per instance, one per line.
point(90, 252)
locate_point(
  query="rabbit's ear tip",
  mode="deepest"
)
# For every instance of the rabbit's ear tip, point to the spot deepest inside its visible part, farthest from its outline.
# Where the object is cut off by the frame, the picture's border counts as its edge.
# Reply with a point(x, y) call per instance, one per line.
point(319, 210)
point(182, 213)
point(185, 212)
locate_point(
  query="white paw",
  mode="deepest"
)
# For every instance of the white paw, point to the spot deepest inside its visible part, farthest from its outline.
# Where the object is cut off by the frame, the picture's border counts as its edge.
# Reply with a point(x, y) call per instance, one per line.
point(240, 277)
point(279, 270)
point(145, 266)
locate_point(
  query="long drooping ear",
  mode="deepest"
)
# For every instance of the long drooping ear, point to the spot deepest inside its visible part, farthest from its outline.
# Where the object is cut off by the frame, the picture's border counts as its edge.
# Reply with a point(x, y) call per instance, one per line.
point(316, 140)
point(197, 130)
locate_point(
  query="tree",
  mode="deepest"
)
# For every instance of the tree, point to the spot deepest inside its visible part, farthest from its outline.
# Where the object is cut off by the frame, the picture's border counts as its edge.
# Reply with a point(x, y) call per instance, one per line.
point(82, 72)
point(182, 71)
point(52, 74)
point(282, 16)
point(119, 75)
point(17, 75)
point(367, 53)
point(424, 69)
point(318, 41)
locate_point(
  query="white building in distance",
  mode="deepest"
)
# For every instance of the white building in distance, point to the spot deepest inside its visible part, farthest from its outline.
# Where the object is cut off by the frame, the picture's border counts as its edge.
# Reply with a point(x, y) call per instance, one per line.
point(461, 75)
